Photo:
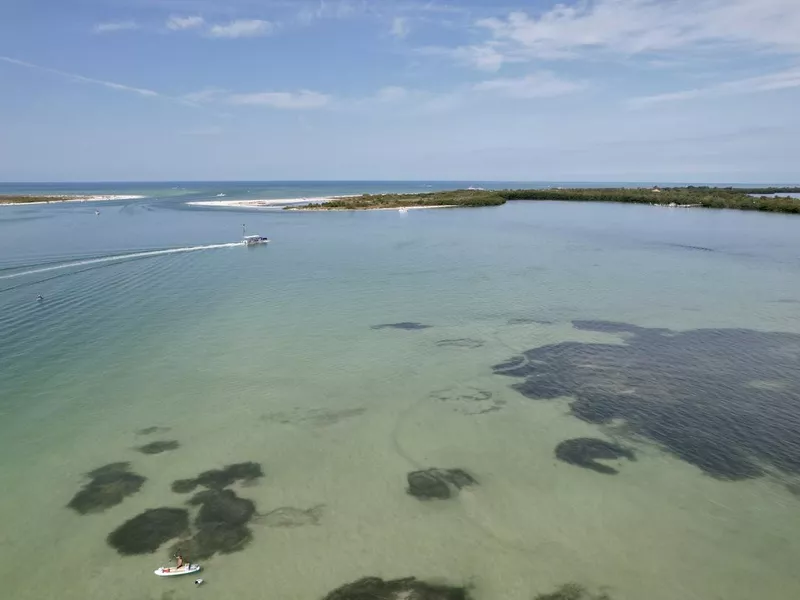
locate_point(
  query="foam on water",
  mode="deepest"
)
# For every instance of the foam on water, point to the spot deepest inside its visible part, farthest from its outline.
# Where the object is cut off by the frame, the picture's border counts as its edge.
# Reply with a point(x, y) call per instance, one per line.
point(118, 257)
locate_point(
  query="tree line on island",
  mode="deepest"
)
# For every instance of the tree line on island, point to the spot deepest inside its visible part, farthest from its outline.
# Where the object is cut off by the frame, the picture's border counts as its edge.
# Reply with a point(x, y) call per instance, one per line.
point(689, 196)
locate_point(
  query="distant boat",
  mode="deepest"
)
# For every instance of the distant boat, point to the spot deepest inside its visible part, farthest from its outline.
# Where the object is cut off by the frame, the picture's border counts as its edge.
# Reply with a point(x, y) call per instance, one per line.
point(97, 212)
point(402, 210)
point(220, 195)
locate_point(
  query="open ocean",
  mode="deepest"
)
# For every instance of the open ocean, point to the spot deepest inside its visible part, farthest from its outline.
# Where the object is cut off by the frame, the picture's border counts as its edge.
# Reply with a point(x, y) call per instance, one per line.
point(620, 385)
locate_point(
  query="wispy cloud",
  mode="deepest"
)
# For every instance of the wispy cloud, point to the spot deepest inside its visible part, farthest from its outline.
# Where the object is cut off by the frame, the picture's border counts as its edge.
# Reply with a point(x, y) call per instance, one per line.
point(400, 28)
point(242, 28)
point(175, 23)
point(399, 98)
point(114, 26)
point(542, 84)
point(781, 80)
point(209, 97)
point(490, 56)
point(302, 100)
point(486, 57)
point(628, 27)
point(203, 96)
point(536, 85)
point(332, 9)
point(239, 28)
point(80, 78)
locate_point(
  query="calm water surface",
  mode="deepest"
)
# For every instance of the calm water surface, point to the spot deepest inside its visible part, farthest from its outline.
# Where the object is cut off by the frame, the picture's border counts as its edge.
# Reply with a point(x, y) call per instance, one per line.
point(153, 317)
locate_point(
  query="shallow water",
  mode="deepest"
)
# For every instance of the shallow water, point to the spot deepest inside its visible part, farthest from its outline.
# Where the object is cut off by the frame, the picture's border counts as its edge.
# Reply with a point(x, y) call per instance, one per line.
point(270, 355)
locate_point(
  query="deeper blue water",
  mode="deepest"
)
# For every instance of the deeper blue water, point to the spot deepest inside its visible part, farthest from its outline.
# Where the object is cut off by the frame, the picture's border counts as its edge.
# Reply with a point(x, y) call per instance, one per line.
point(154, 315)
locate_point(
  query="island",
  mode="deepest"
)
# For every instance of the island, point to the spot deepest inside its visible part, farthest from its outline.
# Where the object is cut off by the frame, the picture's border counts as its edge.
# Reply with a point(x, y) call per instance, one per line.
point(21, 199)
point(767, 199)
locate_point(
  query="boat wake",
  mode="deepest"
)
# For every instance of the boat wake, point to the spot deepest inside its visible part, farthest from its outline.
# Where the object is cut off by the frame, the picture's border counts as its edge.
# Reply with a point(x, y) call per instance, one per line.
point(118, 257)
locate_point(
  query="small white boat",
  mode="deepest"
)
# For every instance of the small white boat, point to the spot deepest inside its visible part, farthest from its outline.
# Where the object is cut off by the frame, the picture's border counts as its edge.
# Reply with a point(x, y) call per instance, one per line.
point(174, 571)
point(402, 210)
point(254, 240)
point(220, 195)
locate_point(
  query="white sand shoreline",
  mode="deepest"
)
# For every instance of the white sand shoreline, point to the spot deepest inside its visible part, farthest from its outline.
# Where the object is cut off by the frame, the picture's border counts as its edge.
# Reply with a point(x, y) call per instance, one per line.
point(267, 201)
point(70, 198)
point(273, 202)
point(395, 208)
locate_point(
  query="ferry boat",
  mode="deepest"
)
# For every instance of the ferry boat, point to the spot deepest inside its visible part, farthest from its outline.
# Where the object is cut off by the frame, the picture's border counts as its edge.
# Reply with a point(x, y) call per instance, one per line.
point(254, 240)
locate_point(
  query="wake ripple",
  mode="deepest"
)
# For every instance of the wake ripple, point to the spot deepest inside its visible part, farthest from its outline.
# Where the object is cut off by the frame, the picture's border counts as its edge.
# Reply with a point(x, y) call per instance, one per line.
point(119, 257)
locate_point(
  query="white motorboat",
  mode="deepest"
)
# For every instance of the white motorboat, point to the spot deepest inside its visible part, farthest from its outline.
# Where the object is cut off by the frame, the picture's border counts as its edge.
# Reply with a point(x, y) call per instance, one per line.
point(254, 240)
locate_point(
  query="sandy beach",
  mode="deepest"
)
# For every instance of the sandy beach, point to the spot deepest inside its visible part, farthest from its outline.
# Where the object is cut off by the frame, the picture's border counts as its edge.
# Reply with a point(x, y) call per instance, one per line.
point(266, 202)
point(52, 199)
point(395, 208)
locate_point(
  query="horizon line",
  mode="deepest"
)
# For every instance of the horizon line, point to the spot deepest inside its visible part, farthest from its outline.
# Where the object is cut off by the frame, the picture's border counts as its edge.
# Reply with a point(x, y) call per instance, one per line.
point(273, 181)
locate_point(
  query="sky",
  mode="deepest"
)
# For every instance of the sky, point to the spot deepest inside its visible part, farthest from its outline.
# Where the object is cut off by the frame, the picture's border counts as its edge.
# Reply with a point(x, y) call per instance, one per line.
point(512, 90)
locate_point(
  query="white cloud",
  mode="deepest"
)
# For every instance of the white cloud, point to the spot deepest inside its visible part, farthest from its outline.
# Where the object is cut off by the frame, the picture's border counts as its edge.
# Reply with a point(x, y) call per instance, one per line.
point(627, 27)
point(302, 100)
point(201, 96)
point(114, 26)
point(643, 101)
point(781, 80)
point(180, 23)
point(400, 27)
point(536, 85)
point(485, 58)
point(80, 78)
point(242, 28)
point(490, 56)
point(332, 9)
point(542, 84)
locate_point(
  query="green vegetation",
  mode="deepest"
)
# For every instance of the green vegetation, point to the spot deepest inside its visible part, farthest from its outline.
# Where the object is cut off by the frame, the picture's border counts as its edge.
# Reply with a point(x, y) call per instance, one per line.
point(769, 190)
point(26, 199)
point(695, 196)
point(448, 198)
point(706, 197)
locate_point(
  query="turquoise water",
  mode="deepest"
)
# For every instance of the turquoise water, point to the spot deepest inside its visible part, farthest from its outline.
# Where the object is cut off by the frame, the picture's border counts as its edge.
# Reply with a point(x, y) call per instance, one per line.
point(268, 354)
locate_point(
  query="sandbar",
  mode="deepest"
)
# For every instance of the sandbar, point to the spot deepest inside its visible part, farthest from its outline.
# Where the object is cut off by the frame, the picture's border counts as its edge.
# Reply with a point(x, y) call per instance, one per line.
point(394, 208)
point(266, 202)
point(69, 198)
